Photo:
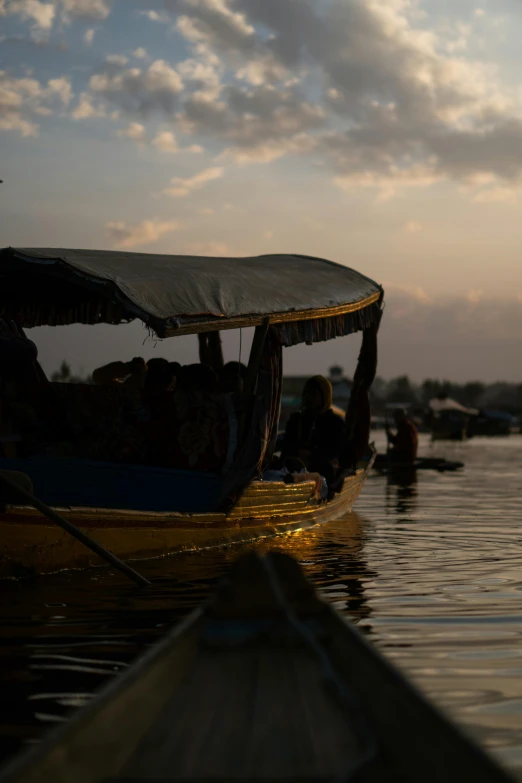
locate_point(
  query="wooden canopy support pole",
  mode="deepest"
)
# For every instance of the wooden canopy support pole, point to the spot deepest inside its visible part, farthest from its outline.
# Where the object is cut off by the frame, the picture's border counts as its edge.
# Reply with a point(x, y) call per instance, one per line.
point(254, 361)
point(249, 387)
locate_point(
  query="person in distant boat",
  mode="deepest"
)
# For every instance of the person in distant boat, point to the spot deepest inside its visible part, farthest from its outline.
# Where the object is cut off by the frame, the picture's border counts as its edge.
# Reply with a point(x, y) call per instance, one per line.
point(315, 433)
point(405, 440)
point(131, 373)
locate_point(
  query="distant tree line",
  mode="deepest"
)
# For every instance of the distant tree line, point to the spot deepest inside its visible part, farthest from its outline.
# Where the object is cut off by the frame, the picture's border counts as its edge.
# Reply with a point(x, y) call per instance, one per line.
point(473, 394)
point(64, 374)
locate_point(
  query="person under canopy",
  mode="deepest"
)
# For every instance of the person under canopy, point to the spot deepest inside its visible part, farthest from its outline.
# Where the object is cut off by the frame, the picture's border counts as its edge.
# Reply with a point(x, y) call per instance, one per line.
point(31, 413)
point(405, 440)
point(131, 373)
point(315, 433)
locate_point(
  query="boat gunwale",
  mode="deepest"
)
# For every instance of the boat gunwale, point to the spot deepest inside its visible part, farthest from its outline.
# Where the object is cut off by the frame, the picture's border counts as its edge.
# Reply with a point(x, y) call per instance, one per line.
point(30, 545)
point(131, 518)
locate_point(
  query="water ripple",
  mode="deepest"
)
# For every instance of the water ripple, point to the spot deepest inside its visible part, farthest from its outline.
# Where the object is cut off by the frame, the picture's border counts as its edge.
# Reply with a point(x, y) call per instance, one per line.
point(431, 571)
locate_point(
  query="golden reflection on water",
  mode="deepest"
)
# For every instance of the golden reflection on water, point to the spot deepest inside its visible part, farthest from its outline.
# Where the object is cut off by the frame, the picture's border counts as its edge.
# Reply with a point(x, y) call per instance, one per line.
point(430, 567)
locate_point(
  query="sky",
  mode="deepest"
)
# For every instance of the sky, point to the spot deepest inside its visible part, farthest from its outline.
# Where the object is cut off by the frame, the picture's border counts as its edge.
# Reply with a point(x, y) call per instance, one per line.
point(381, 134)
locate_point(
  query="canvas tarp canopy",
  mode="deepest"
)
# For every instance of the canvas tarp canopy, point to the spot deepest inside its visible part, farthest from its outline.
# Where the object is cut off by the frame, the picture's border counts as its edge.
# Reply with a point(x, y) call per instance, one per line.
point(176, 294)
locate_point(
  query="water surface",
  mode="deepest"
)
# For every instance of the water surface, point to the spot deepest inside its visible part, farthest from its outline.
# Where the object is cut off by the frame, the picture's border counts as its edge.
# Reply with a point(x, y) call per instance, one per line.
point(432, 572)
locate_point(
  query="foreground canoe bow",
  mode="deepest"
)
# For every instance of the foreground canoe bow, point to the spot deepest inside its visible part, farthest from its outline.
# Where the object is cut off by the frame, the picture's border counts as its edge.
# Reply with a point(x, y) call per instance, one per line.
point(266, 683)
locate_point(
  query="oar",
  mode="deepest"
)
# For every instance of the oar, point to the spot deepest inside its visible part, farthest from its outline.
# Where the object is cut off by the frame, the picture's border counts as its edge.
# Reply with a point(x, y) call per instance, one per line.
point(27, 498)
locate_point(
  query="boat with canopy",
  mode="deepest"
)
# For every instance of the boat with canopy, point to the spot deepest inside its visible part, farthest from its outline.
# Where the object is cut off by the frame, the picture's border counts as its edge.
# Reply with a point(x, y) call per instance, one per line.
point(142, 510)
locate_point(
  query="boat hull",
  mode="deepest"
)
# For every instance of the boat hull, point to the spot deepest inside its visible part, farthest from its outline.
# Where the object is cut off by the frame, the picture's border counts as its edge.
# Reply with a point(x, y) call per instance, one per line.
point(29, 543)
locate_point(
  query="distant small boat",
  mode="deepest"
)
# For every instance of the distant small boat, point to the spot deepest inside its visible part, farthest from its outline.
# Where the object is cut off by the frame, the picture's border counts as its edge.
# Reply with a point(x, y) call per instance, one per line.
point(492, 423)
point(449, 420)
point(266, 683)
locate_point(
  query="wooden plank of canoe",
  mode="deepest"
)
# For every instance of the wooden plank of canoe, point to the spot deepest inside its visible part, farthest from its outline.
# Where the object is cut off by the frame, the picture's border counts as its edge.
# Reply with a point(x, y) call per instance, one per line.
point(261, 712)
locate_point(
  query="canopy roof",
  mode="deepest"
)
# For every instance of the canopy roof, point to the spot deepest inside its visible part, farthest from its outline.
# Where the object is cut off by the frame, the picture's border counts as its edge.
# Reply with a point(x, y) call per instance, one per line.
point(443, 404)
point(175, 294)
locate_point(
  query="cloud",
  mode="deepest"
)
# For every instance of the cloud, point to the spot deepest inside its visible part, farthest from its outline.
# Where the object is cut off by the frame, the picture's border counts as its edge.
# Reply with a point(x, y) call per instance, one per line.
point(474, 296)
point(213, 21)
point(154, 16)
point(43, 14)
point(257, 122)
point(40, 13)
point(116, 59)
point(88, 36)
point(412, 227)
point(451, 318)
point(387, 184)
point(134, 131)
point(165, 141)
point(61, 88)
point(395, 108)
point(445, 338)
point(145, 233)
point(266, 152)
point(182, 187)
point(24, 99)
point(263, 70)
point(415, 293)
point(15, 122)
point(136, 90)
point(210, 248)
point(496, 195)
point(201, 76)
point(380, 95)
point(85, 109)
point(87, 9)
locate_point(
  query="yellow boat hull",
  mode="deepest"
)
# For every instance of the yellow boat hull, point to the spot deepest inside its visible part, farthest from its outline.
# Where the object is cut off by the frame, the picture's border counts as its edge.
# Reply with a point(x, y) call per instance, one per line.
point(29, 542)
